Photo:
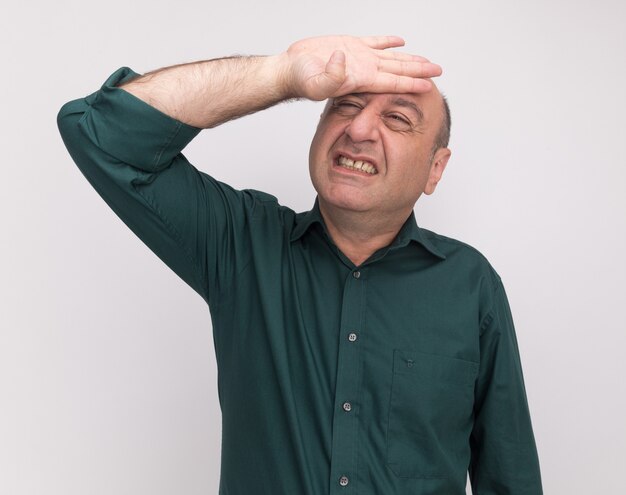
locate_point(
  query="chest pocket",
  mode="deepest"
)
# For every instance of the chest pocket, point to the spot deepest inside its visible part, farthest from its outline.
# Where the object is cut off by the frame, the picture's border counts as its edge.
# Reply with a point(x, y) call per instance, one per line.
point(430, 414)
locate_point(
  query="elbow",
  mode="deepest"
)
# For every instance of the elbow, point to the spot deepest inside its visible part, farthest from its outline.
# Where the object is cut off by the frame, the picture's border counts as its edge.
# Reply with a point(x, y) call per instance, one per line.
point(68, 117)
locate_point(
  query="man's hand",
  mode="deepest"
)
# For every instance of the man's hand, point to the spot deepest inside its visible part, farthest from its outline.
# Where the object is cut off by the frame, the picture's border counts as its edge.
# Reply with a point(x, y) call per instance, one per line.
point(206, 94)
point(330, 66)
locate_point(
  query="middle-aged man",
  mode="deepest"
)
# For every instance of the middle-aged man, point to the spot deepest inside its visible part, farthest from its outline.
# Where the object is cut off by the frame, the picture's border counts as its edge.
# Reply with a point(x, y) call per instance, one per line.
point(357, 352)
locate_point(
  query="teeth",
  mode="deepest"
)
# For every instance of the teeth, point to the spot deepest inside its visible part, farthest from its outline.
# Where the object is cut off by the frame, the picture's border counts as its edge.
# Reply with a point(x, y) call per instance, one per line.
point(350, 164)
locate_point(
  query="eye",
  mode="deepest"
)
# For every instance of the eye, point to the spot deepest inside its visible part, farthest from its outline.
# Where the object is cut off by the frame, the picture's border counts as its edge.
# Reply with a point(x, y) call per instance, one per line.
point(398, 121)
point(399, 118)
point(347, 107)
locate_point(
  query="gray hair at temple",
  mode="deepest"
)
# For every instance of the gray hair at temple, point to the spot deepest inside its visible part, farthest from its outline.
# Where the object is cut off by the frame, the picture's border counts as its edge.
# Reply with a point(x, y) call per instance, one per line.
point(443, 135)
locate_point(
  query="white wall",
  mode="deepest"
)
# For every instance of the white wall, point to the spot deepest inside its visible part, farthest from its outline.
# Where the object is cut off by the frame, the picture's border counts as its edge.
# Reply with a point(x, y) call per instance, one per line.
point(107, 374)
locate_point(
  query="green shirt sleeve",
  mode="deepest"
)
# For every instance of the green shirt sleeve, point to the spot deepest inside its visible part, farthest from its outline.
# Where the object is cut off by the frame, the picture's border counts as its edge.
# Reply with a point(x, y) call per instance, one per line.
point(131, 154)
point(504, 456)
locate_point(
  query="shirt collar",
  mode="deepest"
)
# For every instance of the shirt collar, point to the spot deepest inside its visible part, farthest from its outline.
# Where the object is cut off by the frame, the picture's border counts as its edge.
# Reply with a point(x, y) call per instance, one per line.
point(306, 220)
point(409, 231)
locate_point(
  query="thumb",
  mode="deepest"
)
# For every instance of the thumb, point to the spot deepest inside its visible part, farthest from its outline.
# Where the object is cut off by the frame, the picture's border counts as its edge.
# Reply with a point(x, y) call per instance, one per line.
point(336, 67)
point(333, 76)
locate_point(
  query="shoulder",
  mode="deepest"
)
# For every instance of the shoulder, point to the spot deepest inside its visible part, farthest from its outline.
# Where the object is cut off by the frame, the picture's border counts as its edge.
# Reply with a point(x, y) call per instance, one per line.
point(265, 204)
point(262, 198)
point(265, 211)
point(463, 257)
point(471, 272)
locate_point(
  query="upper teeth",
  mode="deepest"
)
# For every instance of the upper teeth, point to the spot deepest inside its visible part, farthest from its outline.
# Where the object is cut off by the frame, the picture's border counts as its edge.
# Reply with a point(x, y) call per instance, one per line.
point(346, 162)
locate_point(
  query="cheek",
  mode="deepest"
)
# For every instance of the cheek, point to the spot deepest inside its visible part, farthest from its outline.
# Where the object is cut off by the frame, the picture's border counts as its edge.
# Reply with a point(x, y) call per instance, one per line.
point(319, 143)
point(410, 162)
point(416, 171)
point(322, 144)
point(329, 130)
point(317, 158)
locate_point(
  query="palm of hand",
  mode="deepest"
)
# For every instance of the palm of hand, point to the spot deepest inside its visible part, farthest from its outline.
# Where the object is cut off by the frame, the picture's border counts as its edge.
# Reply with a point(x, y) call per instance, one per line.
point(332, 66)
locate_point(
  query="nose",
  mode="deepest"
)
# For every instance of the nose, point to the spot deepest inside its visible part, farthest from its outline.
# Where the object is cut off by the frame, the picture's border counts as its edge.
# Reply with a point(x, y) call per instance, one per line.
point(363, 126)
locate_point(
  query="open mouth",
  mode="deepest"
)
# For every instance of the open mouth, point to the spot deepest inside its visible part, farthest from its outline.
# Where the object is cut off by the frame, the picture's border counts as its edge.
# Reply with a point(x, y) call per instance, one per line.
point(356, 165)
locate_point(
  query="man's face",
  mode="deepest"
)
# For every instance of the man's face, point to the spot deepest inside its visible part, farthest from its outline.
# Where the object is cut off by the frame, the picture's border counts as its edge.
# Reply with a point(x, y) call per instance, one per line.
point(373, 152)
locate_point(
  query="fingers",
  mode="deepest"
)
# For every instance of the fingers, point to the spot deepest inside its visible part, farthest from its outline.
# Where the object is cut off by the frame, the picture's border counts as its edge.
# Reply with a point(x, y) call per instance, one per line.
point(362, 64)
point(391, 55)
point(400, 72)
point(382, 42)
point(388, 83)
point(409, 68)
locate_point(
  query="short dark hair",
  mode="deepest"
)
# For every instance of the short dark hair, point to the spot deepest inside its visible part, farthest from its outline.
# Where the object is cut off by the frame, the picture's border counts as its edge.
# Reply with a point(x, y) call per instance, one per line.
point(443, 135)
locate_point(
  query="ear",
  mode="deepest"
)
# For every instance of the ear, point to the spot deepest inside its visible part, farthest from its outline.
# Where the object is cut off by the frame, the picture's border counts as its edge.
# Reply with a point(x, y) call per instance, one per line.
point(437, 166)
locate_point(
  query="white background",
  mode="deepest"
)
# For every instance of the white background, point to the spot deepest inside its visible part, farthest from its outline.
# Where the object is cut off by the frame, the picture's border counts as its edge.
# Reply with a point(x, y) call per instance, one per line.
point(107, 371)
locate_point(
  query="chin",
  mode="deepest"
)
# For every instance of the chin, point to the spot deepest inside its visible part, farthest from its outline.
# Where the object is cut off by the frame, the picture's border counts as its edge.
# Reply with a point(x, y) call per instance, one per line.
point(346, 201)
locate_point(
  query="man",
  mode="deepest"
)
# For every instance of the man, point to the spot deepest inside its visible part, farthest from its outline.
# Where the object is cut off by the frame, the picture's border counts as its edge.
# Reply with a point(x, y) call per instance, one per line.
point(357, 353)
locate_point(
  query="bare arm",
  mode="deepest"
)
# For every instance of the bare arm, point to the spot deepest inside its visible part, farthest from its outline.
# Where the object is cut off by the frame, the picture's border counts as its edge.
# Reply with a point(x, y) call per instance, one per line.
point(206, 94)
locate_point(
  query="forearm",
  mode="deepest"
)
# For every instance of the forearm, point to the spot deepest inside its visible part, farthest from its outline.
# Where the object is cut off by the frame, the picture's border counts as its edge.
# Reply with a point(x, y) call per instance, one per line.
point(206, 94)
point(504, 453)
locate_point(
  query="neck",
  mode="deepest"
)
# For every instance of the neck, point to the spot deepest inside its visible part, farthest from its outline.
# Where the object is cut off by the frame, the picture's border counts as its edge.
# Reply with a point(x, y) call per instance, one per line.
point(358, 235)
